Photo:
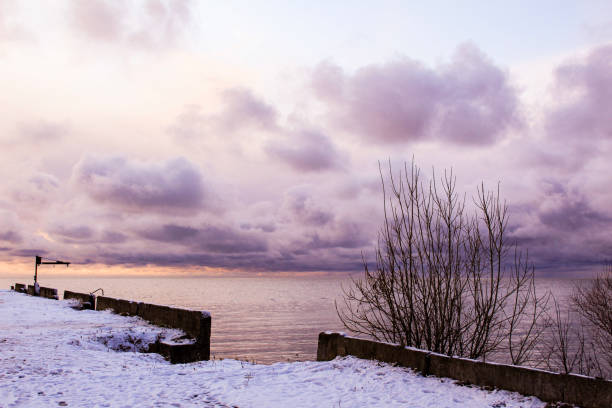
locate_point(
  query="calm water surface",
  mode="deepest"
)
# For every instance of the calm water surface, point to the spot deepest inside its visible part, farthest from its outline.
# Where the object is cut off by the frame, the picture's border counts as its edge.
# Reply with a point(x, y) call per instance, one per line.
point(265, 319)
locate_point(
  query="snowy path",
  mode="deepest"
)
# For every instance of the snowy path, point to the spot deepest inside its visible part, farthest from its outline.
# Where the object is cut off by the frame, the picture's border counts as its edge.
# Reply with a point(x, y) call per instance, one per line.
point(51, 355)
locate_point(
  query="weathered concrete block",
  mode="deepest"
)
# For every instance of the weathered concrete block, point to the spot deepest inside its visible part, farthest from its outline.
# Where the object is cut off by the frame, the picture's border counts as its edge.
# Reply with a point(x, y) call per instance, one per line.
point(104, 303)
point(48, 293)
point(86, 300)
point(327, 349)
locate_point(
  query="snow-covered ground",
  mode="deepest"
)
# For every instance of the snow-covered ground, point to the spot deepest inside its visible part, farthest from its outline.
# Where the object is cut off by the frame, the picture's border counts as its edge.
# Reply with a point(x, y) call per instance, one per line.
point(52, 355)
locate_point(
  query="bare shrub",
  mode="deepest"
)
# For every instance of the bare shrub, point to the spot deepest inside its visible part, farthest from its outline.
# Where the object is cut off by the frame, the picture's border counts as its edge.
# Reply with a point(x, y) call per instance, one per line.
point(586, 346)
point(446, 279)
point(570, 346)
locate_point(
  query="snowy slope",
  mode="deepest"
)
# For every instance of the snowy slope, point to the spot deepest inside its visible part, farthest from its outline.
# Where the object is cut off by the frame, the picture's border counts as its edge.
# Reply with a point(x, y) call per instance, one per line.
point(52, 355)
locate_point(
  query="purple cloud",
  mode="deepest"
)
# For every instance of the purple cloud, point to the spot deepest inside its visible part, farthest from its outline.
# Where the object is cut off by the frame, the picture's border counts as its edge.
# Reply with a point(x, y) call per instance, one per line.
point(227, 240)
point(242, 110)
point(173, 186)
point(170, 233)
point(572, 216)
point(73, 233)
point(306, 151)
point(11, 236)
point(265, 227)
point(468, 101)
point(301, 206)
point(245, 261)
point(27, 253)
point(113, 237)
point(211, 239)
point(344, 235)
point(584, 88)
point(152, 24)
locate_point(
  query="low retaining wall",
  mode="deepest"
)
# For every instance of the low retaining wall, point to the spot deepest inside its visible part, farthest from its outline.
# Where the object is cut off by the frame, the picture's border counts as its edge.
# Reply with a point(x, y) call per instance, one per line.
point(587, 392)
point(194, 323)
point(86, 300)
point(48, 293)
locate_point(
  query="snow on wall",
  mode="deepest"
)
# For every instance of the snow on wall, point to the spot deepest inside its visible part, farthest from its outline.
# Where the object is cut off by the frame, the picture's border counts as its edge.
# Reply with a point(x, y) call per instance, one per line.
point(576, 389)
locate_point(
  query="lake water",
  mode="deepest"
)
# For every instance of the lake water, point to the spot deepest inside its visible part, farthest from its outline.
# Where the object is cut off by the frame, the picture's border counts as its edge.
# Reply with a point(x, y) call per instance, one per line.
point(262, 319)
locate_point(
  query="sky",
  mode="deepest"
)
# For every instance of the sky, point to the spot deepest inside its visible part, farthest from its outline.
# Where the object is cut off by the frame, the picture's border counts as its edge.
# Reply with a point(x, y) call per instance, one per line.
point(200, 137)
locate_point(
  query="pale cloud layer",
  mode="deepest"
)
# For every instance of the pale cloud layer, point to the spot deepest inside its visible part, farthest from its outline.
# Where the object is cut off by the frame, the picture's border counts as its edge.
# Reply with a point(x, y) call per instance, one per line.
point(127, 140)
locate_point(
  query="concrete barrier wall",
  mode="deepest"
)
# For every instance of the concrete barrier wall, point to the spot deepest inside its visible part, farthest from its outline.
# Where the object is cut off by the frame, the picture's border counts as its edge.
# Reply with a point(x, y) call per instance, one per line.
point(86, 300)
point(195, 324)
point(48, 293)
point(575, 389)
point(20, 287)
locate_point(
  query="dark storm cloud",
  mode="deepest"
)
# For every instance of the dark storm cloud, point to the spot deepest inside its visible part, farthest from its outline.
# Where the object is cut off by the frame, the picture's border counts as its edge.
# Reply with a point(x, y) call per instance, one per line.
point(468, 101)
point(170, 233)
point(584, 87)
point(344, 235)
point(306, 151)
point(26, 253)
point(573, 216)
point(152, 24)
point(562, 229)
point(243, 262)
point(211, 239)
point(173, 186)
point(226, 240)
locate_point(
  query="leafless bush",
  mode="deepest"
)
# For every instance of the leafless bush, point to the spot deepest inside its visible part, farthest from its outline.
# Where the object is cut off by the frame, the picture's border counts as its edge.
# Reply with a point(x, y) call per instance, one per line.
point(445, 279)
point(570, 347)
point(583, 344)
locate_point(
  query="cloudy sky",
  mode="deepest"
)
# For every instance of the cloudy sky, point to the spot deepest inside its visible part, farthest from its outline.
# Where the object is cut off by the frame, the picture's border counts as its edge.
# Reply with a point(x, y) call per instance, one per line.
point(217, 137)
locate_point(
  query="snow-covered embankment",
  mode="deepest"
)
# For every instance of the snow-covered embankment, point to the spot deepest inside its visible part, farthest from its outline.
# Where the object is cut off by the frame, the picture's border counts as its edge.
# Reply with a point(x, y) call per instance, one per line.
point(52, 355)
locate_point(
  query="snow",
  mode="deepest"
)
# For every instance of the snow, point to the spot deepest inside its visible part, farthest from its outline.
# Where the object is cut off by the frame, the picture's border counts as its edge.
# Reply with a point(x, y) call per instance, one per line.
point(53, 355)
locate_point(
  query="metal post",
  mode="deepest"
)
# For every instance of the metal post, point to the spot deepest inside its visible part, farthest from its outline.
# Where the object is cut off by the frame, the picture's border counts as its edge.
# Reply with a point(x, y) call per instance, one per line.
point(38, 260)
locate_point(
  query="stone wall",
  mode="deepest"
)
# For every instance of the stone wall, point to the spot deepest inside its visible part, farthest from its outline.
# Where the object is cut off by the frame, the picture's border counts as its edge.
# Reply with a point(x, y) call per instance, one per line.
point(194, 323)
point(575, 389)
